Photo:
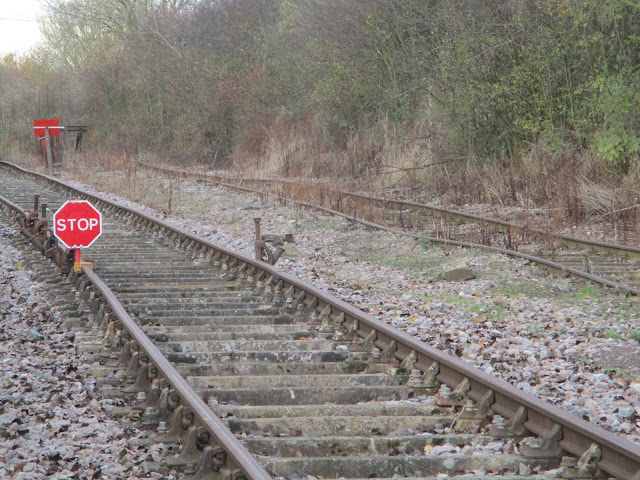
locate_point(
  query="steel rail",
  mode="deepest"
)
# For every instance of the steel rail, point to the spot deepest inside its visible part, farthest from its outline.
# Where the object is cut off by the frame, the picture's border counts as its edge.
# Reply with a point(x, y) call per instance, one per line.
point(539, 260)
point(627, 250)
point(617, 457)
point(240, 455)
point(13, 206)
point(20, 217)
point(609, 247)
point(550, 264)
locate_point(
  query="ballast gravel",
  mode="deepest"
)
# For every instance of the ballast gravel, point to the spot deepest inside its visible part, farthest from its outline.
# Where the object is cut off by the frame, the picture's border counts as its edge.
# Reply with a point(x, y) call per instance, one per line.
point(51, 423)
point(574, 344)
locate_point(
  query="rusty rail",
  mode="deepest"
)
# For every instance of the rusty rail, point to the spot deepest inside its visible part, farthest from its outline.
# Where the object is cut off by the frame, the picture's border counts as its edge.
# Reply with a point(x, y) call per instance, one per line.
point(549, 264)
point(224, 439)
point(514, 227)
point(12, 206)
point(613, 455)
point(625, 250)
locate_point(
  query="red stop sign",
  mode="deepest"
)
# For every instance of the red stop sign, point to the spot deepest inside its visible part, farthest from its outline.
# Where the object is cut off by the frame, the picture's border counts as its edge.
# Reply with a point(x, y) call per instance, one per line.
point(77, 224)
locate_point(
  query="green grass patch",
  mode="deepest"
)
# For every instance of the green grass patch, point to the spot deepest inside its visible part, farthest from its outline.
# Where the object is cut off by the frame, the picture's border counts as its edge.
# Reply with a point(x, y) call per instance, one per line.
point(616, 372)
point(586, 292)
point(509, 288)
point(610, 333)
point(413, 262)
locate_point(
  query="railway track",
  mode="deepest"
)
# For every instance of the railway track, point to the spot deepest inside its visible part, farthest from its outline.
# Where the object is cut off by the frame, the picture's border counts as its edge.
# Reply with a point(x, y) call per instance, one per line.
point(258, 374)
point(614, 265)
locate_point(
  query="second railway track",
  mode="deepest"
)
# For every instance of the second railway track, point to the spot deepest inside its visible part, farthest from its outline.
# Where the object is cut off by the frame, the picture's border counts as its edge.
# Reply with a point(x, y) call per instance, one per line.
point(614, 265)
point(309, 385)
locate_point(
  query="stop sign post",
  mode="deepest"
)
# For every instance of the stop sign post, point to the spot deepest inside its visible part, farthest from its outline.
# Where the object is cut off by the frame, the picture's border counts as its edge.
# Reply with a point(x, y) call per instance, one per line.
point(46, 128)
point(77, 224)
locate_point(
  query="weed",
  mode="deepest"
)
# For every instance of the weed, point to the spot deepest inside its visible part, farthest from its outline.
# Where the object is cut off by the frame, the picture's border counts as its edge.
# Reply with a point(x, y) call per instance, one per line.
point(509, 288)
point(610, 333)
point(533, 329)
point(319, 224)
point(616, 371)
point(635, 335)
point(427, 245)
point(416, 263)
point(456, 299)
point(586, 292)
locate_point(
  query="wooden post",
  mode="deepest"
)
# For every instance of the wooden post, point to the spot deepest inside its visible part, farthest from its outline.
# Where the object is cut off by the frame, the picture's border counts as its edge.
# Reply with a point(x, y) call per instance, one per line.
point(258, 241)
point(47, 150)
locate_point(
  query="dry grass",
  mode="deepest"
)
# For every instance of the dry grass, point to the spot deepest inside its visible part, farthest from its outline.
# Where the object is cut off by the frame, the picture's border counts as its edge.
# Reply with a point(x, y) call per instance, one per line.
point(118, 174)
point(571, 188)
point(30, 162)
point(315, 166)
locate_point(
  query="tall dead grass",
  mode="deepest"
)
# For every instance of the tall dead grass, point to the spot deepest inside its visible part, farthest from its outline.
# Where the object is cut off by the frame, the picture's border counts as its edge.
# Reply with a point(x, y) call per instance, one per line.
point(559, 189)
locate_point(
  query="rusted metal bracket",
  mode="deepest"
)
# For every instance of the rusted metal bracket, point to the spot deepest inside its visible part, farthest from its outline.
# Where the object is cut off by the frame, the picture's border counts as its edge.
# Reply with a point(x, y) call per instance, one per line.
point(470, 411)
point(175, 430)
point(409, 361)
point(36, 229)
point(500, 427)
point(263, 252)
point(350, 333)
point(444, 398)
point(461, 389)
point(206, 466)
point(478, 410)
point(429, 376)
point(585, 467)
point(388, 351)
point(453, 398)
point(77, 267)
point(545, 446)
point(189, 452)
point(367, 342)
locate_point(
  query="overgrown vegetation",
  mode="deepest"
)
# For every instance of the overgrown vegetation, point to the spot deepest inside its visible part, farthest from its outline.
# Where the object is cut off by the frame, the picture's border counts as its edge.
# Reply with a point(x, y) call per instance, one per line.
point(532, 102)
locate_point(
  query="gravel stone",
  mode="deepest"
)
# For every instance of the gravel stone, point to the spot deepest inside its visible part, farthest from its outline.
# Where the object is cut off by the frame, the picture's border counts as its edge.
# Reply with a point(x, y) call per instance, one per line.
point(32, 335)
point(50, 427)
point(524, 470)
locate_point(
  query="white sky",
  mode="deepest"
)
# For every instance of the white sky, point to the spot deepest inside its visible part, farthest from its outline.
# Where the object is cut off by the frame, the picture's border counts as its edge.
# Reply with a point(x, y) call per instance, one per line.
point(18, 26)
